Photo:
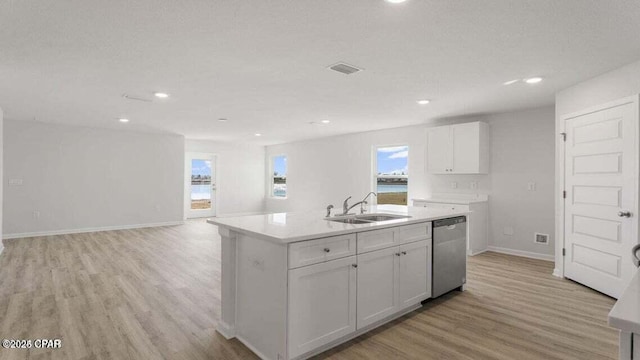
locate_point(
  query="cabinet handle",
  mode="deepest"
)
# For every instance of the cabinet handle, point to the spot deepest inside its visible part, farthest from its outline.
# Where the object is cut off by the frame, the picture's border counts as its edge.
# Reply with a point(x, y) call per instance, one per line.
point(354, 265)
point(404, 253)
point(327, 250)
point(397, 254)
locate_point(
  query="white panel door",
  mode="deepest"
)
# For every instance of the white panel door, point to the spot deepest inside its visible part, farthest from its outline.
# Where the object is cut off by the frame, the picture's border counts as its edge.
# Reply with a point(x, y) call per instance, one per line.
point(322, 304)
point(377, 285)
point(466, 145)
point(601, 199)
point(415, 273)
point(439, 150)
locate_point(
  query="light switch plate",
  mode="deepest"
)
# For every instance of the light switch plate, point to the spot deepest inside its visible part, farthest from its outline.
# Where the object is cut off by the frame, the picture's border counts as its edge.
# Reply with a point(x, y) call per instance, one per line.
point(473, 185)
point(454, 185)
point(531, 186)
point(508, 230)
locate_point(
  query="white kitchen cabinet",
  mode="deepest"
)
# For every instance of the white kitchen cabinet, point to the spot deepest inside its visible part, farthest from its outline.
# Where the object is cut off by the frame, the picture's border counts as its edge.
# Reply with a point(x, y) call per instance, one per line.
point(415, 277)
point(392, 279)
point(477, 221)
point(322, 304)
point(458, 149)
point(378, 275)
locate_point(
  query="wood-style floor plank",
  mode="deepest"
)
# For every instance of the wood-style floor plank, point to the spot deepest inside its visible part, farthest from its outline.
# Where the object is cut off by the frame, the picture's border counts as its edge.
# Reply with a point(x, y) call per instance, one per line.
point(155, 294)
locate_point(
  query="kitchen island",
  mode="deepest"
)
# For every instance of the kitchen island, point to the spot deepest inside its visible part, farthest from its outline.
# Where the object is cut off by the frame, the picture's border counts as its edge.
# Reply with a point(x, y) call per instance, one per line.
point(296, 284)
point(625, 316)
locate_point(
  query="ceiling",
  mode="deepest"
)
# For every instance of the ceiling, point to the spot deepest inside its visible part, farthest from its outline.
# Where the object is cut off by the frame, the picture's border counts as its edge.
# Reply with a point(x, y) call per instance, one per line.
point(263, 64)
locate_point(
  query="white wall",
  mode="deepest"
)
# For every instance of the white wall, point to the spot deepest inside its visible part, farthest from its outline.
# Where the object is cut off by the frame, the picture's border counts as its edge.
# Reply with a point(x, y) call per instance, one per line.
point(613, 85)
point(522, 151)
point(85, 178)
point(241, 175)
point(601, 89)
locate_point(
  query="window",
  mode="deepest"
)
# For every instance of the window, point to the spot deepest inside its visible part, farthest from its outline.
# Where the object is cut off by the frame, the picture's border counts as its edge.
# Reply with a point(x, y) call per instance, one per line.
point(279, 176)
point(392, 174)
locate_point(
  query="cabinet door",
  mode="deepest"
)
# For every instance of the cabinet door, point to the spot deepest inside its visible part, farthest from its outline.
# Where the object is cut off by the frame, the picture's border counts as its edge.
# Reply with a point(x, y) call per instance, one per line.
point(415, 273)
point(636, 346)
point(439, 150)
point(466, 148)
point(377, 285)
point(322, 304)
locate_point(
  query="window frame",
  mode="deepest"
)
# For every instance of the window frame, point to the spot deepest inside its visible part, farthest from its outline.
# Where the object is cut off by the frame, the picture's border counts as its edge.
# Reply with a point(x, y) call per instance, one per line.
point(271, 182)
point(374, 167)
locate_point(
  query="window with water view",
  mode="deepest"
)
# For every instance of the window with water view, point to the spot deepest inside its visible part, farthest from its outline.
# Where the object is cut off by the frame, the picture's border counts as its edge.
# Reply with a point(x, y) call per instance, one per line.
point(201, 187)
point(279, 178)
point(392, 174)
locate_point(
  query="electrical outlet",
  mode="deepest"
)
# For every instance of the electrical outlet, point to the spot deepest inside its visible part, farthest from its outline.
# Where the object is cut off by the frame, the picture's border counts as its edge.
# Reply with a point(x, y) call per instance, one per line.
point(36, 214)
point(531, 186)
point(508, 230)
point(473, 185)
point(454, 185)
point(15, 182)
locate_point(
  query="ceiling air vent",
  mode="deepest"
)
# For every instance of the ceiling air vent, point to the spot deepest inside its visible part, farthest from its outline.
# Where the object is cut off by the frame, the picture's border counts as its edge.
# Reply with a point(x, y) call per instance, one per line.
point(344, 68)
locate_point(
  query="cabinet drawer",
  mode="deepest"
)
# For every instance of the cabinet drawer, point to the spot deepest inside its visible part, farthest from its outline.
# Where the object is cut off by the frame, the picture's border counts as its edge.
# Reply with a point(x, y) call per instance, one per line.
point(416, 232)
point(316, 251)
point(455, 207)
point(376, 239)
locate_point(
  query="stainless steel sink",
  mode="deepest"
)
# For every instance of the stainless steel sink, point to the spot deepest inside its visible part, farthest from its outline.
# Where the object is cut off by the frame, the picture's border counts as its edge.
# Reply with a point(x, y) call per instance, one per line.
point(351, 221)
point(381, 217)
point(367, 219)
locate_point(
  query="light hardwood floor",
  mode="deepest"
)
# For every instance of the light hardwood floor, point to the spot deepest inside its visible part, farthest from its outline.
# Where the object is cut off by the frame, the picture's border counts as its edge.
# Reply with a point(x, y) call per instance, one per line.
point(154, 293)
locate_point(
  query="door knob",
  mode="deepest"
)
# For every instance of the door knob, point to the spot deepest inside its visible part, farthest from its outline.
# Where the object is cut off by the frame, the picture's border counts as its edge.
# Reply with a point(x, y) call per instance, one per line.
point(626, 214)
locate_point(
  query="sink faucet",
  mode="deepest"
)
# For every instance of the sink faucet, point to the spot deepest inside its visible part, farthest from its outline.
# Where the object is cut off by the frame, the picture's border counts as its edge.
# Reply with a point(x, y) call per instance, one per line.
point(346, 208)
point(364, 202)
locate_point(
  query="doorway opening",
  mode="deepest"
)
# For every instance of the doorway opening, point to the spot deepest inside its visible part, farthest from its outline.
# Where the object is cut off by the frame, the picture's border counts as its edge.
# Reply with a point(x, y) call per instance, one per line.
point(200, 185)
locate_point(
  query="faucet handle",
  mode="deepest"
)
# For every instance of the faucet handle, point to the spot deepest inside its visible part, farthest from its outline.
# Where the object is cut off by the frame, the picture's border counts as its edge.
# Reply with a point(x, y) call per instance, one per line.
point(329, 210)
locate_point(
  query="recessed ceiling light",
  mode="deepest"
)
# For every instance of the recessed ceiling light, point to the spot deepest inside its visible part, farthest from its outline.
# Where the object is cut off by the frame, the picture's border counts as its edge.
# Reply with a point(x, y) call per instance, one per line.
point(325, 121)
point(423, 102)
point(222, 119)
point(533, 80)
point(161, 95)
point(395, 1)
point(510, 82)
point(257, 134)
point(123, 120)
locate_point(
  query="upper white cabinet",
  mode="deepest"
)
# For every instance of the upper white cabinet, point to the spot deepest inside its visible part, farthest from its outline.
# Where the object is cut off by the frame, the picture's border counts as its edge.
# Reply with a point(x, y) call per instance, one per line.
point(458, 149)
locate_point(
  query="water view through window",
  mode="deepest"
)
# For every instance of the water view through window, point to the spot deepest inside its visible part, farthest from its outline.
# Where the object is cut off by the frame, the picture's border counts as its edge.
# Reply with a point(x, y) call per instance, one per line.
point(392, 177)
point(201, 189)
point(279, 180)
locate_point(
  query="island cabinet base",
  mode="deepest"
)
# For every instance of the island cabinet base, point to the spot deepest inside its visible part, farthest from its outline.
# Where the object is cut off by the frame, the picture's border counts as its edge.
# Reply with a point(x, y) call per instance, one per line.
point(295, 300)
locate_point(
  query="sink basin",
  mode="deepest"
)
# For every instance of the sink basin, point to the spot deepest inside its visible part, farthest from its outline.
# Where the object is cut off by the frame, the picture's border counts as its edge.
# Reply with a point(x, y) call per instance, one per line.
point(351, 221)
point(368, 218)
point(381, 217)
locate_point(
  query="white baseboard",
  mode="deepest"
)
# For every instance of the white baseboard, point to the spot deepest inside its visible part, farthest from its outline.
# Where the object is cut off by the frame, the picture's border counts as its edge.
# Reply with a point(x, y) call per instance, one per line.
point(225, 330)
point(556, 272)
point(526, 254)
point(87, 230)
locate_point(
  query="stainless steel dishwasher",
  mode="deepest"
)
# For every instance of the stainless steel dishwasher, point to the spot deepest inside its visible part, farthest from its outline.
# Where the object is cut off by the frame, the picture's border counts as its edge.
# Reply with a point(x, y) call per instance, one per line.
point(449, 255)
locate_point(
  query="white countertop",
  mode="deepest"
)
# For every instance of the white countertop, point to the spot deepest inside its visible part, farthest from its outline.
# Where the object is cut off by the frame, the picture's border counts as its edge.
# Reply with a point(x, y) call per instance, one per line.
point(298, 226)
point(452, 198)
point(625, 314)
